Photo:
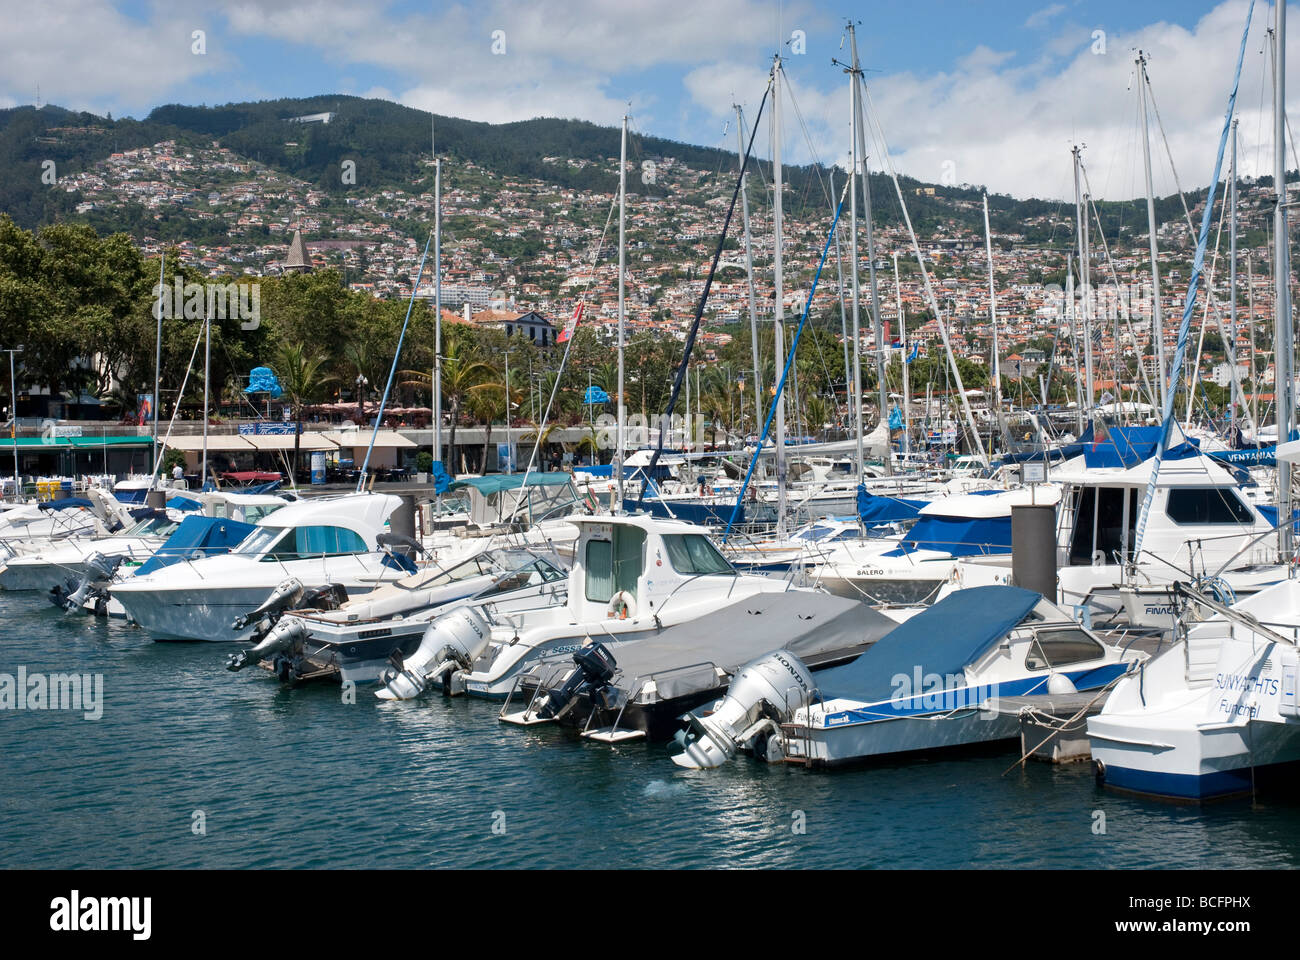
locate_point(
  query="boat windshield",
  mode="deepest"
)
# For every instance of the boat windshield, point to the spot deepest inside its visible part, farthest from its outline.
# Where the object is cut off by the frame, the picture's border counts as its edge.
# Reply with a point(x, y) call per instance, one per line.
point(158, 526)
point(694, 553)
point(259, 541)
point(532, 575)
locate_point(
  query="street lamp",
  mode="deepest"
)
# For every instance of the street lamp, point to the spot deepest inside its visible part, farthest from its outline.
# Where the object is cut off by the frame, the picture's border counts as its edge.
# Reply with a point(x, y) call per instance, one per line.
point(362, 383)
point(13, 403)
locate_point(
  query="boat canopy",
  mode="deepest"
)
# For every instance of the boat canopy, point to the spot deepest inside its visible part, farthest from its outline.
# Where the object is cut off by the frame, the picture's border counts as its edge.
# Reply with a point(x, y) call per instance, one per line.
point(1129, 446)
point(875, 509)
point(197, 537)
point(496, 482)
point(940, 641)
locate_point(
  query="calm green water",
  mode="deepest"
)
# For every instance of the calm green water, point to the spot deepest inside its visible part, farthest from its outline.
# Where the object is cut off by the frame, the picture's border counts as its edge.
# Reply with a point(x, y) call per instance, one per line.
point(297, 778)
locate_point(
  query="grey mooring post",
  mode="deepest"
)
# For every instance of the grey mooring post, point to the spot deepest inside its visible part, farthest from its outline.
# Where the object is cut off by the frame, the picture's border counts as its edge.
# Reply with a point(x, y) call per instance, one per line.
point(1033, 548)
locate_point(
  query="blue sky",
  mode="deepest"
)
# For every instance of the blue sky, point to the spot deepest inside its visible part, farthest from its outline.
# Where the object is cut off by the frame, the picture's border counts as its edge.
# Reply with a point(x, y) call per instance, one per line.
point(995, 90)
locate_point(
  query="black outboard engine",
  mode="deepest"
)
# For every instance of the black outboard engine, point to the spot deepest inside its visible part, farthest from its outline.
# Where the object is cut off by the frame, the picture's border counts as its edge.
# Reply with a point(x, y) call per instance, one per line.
point(279, 637)
point(596, 666)
point(90, 590)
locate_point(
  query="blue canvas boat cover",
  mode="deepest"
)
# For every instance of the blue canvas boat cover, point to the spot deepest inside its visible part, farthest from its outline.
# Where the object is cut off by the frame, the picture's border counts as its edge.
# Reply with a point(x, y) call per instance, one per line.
point(195, 538)
point(67, 503)
point(875, 509)
point(704, 514)
point(1129, 446)
point(957, 536)
point(941, 640)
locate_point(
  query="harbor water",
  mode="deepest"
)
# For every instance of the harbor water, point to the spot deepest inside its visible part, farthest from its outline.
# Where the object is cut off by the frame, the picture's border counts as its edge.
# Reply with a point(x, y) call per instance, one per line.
point(192, 766)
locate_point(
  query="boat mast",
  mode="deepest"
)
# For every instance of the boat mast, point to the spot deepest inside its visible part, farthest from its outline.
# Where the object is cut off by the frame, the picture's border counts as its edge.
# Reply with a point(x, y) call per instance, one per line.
point(853, 268)
point(778, 314)
point(437, 305)
point(157, 355)
point(844, 314)
point(1157, 320)
point(1081, 220)
point(1283, 345)
point(993, 316)
point(902, 356)
point(876, 326)
point(1231, 352)
point(749, 265)
point(207, 369)
point(622, 304)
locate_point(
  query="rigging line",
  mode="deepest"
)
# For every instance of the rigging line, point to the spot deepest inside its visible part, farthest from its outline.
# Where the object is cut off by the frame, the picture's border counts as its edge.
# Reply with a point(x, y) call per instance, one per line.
point(177, 408)
point(559, 374)
point(1189, 307)
point(392, 370)
point(789, 360)
point(689, 347)
point(925, 278)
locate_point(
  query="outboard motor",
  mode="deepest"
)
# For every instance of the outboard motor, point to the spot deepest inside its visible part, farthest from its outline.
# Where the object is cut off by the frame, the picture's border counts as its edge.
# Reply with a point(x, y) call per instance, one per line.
point(284, 597)
point(90, 588)
point(764, 693)
point(279, 639)
point(277, 635)
point(596, 666)
point(455, 639)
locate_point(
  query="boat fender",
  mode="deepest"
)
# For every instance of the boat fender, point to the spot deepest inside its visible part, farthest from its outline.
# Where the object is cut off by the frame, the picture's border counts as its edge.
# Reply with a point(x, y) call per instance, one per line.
point(1060, 684)
point(621, 605)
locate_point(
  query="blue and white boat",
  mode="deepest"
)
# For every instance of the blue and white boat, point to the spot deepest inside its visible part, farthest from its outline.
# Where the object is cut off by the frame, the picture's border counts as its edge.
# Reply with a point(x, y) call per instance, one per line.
point(910, 568)
point(930, 684)
point(1212, 714)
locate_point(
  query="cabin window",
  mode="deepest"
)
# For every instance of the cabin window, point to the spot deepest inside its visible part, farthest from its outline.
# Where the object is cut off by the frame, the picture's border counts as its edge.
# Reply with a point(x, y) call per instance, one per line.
point(1196, 505)
point(614, 566)
point(1060, 648)
point(304, 543)
point(692, 553)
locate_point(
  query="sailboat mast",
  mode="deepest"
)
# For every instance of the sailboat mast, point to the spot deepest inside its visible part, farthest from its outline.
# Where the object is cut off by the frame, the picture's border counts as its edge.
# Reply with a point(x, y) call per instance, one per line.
point(902, 356)
point(1157, 319)
point(207, 369)
point(1231, 351)
point(778, 314)
point(749, 266)
point(876, 326)
point(1282, 340)
point(993, 316)
point(1081, 225)
point(157, 355)
point(622, 308)
point(437, 309)
point(853, 269)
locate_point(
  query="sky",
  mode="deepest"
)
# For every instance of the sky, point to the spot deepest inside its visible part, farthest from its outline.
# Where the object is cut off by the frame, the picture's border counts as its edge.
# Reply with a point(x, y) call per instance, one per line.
point(986, 92)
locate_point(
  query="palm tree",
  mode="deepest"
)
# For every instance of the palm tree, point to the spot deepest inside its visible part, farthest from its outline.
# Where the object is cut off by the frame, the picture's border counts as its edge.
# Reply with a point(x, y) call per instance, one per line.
point(301, 381)
point(489, 398)
point(460, 374)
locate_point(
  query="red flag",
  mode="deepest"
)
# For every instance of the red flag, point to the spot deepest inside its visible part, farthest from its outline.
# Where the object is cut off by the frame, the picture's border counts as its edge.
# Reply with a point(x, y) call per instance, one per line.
point(572, 325)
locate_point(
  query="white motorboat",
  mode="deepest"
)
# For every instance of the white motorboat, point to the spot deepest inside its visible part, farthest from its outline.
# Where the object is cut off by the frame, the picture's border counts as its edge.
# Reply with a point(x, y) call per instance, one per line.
point(910, 569)
point(932, 683)
point(324, 541)
point(1213, 714)
point(354, 642)
point(633, 577)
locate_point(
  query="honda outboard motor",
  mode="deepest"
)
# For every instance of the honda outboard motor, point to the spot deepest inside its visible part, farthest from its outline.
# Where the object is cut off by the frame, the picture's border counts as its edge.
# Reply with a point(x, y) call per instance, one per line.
point(595, 668)
point(453, 640)
point(91, 587)
point(765, 692)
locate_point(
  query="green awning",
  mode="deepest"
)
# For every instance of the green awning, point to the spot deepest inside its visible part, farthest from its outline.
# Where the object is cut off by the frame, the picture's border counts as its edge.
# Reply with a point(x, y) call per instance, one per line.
point(496, 482)
point(39, 444)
